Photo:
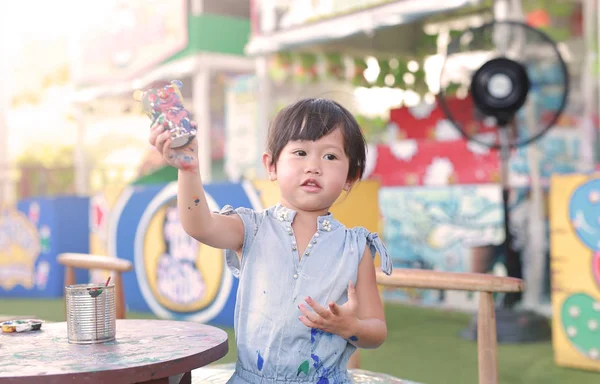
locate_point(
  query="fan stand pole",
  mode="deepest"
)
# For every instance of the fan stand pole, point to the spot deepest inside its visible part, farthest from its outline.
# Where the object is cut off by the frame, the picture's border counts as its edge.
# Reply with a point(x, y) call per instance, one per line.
point(512, 259)
point(512, 325)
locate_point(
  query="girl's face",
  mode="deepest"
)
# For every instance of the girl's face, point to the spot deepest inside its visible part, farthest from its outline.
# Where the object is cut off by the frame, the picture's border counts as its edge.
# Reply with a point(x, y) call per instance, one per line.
point(311, 174)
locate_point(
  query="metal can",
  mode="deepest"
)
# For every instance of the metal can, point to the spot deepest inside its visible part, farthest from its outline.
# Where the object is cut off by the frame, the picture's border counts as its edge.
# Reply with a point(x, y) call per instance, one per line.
point(91, 313)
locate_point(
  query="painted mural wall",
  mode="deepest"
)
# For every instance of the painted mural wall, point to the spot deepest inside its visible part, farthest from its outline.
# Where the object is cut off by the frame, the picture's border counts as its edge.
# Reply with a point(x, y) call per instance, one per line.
point(575, 263)
point(32, 234)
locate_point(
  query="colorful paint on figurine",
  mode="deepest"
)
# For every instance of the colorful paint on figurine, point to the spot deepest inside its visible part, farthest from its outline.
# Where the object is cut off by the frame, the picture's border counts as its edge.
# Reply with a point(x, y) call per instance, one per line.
point(163, 102)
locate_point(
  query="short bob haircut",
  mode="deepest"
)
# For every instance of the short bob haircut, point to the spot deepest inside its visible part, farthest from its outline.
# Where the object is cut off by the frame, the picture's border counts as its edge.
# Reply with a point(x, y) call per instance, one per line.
point(311, 119)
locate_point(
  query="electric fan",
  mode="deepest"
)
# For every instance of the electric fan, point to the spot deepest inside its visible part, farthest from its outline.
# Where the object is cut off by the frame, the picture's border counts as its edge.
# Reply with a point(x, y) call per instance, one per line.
point(517, 83)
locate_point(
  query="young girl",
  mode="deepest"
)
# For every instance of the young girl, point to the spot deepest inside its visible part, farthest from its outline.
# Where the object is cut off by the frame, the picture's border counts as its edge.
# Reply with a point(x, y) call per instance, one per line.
point(307, 295)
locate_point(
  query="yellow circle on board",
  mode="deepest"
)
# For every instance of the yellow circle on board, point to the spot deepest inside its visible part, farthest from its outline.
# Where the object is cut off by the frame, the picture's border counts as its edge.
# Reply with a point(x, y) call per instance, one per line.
point(183, 275)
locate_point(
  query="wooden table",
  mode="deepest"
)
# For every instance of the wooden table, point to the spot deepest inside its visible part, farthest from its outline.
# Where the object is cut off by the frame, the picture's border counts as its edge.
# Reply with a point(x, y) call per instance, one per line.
point(145, 351)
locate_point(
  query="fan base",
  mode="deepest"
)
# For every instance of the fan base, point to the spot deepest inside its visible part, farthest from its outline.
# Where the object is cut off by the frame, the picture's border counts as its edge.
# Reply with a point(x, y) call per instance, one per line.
point(514, 327)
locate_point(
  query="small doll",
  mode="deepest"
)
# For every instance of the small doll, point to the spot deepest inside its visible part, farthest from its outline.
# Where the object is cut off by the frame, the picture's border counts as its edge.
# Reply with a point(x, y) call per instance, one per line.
point(163, 102)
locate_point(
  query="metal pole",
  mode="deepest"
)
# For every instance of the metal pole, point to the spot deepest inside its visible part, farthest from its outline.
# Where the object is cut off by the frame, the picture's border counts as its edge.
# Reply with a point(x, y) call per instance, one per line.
point(501, 9)
point(201, 103)
point(596, 53)
point(80, 162)
point(6, 183)
point(534, 260)
point(513, 262)
point(535, 256)
point(264, 109)
point(588, 132)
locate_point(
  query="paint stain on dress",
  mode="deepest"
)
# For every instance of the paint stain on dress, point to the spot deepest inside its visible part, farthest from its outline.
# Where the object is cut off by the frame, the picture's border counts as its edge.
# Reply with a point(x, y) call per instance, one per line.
point(303, 368)
point(259, 361)
point(314, 332)
point(316, 361)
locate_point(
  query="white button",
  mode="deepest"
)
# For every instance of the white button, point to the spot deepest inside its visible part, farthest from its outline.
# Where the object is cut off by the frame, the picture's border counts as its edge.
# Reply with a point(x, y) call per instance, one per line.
point(295, 275)
point(309, 245)
point(316, 235)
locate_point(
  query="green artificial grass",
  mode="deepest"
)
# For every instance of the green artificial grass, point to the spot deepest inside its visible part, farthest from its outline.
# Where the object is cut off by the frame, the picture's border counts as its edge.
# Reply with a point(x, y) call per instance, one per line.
point(422, 345)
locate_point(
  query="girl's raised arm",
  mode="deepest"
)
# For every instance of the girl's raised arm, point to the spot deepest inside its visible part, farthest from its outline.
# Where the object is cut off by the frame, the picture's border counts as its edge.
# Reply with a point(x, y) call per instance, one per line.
point(212, 229)
point(215, 230)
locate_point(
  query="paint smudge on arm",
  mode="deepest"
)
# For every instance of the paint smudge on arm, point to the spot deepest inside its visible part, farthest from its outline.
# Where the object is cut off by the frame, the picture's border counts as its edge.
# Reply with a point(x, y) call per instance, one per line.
point(183, 161)
point(196, 202)
point(353, 338)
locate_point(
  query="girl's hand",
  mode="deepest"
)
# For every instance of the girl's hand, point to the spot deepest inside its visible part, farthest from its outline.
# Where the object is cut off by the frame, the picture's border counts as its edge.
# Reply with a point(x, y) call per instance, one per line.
point(185, 158)
point(340, 320)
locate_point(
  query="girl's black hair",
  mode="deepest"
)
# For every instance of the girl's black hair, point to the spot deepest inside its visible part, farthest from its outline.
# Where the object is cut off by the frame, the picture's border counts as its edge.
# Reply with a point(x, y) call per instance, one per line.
point(311, 119)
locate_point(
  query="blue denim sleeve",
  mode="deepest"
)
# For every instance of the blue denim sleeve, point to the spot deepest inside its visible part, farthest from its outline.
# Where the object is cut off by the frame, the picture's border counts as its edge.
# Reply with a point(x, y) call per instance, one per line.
point(376, 246)
point(373, 241)
point(251, 221)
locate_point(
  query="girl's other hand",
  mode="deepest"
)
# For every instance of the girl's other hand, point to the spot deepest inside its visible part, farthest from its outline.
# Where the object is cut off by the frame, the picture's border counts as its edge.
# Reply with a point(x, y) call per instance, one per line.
point(341, 320)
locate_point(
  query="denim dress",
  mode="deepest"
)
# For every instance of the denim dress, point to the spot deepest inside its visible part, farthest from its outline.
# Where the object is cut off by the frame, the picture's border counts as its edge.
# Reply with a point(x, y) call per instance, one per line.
point(273, 346)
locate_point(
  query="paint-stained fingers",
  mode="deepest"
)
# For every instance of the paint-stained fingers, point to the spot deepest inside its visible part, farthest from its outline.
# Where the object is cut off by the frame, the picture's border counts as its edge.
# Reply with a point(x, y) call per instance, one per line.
point(155, 130)
point(166, 149)
point(334, 308)
point(319, 309)
point(307, 322)
point(309, 315)
point(161, 140)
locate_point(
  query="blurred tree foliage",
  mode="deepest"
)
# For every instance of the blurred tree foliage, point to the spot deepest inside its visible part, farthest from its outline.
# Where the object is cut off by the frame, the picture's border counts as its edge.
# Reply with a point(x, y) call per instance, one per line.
point(373, 128)
point(46, 155)
point(45, 170)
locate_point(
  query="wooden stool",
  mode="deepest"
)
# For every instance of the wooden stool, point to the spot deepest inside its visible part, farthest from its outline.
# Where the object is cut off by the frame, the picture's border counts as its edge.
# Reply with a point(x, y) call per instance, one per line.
point(107, 263)
point(486, 317)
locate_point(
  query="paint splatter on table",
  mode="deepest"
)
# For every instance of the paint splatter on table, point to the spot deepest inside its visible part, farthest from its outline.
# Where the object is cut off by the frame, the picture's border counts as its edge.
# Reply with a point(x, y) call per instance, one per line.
point(144, 350)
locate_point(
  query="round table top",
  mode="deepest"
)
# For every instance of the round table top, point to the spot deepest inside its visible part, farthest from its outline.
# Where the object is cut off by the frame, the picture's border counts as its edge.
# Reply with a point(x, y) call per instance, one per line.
point(143, 350)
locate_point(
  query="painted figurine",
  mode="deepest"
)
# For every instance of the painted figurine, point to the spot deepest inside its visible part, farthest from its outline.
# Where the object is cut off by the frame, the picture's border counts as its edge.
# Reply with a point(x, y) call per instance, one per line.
point(164, 102)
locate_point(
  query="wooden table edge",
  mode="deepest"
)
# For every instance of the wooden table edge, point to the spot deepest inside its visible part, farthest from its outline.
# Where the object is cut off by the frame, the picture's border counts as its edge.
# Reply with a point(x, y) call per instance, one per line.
point(149, 372)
